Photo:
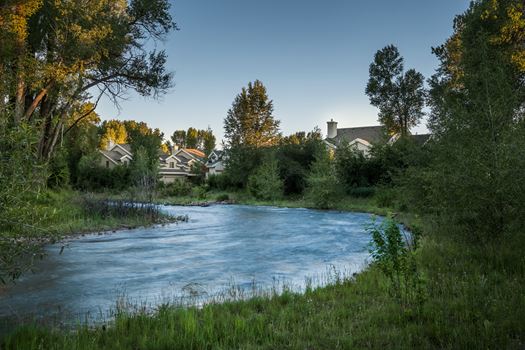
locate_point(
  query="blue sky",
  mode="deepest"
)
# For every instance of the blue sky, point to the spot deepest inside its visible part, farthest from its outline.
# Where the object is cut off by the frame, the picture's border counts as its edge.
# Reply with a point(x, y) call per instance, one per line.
point(313, 57)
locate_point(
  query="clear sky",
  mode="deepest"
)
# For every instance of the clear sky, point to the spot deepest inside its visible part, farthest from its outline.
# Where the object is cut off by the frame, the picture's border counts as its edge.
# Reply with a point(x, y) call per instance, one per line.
point(312, 55)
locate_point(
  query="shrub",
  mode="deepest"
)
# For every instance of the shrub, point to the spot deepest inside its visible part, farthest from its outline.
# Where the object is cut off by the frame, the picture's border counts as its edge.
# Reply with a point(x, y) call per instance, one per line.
point(265, 183)
point(219, 182)
point(177, 188)
point(223, 198)
point(395, 258)
point(385, 197)
point(362, 192)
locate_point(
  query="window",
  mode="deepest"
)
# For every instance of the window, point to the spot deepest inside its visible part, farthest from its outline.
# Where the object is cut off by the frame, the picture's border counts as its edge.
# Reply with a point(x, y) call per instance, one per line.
point(172, 165)
point(107, 163)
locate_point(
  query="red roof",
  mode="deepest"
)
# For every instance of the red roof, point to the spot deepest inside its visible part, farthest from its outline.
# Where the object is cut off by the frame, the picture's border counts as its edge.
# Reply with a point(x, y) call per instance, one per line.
point(195, 152)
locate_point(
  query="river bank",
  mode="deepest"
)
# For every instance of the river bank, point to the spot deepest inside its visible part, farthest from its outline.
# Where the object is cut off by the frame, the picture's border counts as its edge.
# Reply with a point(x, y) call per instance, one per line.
point(471, 300)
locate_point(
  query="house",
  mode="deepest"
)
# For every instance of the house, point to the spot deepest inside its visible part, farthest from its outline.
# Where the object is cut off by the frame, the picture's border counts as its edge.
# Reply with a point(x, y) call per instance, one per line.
point(215, 164)
point(115, 155)
point(362, 138)
point(176, 165)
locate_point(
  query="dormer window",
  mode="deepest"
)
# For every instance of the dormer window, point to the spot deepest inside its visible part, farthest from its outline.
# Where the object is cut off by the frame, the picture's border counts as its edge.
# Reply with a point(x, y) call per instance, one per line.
point(172, 165)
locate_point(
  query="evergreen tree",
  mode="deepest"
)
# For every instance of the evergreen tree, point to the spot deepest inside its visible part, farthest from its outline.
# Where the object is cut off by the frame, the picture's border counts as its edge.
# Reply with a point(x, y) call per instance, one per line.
point(265, 183)
point(250, 120)
point(399, 95)
point(322, 185)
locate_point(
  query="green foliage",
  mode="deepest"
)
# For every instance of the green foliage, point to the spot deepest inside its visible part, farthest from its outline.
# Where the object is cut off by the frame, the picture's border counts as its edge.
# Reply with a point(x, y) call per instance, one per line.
point(399, 95)
point(94, 177)
point(322, 185)
point(475, 183)
point(295, 155)
point(362, 192)
point(354, 169)
point(21, 181)
point(395, 258)
point(265, 182)
point(241, 163)
point(56, 54)
point(219, 182)
point(59, 173)
point(250, 120)
point(176, 188)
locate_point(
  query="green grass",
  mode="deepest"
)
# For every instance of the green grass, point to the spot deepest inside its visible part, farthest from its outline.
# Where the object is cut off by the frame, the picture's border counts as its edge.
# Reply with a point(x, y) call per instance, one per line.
point(473, 299)
point(64, 214)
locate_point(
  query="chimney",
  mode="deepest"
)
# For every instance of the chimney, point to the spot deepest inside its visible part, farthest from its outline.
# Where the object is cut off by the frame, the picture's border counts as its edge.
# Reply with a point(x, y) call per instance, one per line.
point(332, 129)
point(110, 144)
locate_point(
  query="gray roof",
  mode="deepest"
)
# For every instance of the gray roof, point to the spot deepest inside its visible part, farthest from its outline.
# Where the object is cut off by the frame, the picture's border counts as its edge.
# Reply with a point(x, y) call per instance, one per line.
point(421, 139)
point(372, 134)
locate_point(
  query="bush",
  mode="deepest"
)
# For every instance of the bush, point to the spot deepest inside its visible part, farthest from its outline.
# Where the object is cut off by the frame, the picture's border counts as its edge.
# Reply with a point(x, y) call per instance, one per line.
point(265, 183)
point(177, 188)
point(362, 192)
point(219, 182)
point(385, 197)
point(223, 198)
point(395, 258)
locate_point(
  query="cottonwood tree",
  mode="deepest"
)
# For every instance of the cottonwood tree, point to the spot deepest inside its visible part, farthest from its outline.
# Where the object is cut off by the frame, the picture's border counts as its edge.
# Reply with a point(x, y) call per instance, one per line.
point(399, 95)
point(250, 120)
point(477, 100)
point(58, 54)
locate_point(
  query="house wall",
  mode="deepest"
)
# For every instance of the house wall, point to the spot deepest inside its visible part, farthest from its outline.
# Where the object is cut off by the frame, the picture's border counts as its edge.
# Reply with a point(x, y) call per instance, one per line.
point(103, 161)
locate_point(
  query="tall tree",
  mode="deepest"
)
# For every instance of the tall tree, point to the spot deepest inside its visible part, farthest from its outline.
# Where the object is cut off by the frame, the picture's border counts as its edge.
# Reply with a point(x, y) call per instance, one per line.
point(209, 141)
point(64, 53)
point(250, 120)
point(192, 138)
point(477, 100)
point(399, 95)
point(179, 138)
point(112, 131)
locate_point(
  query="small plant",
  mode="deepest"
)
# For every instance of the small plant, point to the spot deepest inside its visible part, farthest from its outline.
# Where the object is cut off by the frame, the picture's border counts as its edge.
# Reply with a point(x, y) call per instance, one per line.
point(394, 255)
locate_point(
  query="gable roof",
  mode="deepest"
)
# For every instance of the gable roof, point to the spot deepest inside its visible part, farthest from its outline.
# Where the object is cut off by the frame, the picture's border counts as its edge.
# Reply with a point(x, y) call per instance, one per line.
point(370, 134)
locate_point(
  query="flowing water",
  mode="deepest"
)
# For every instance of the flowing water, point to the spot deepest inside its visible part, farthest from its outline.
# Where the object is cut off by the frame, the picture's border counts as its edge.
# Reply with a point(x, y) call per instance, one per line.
point(220, 246)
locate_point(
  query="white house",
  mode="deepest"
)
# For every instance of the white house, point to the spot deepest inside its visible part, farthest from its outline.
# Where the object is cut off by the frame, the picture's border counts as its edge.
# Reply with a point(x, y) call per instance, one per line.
point(215, 164)
point(362, 138)
point(176, 165)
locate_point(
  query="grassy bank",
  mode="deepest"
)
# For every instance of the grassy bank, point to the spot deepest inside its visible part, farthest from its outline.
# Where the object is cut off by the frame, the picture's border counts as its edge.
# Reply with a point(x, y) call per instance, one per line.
point(70, 212)
point(473, 300)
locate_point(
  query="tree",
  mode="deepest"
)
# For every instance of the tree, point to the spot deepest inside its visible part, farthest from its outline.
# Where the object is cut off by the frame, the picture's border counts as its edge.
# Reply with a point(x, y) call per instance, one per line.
point(57, 54)
point(322, 185)
point(265, 183)
point(192, 138)
point(250, 120)
point(477, 99)
point(209, 140)
point(113, 131)
point(179, 138)
point(399, 95)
